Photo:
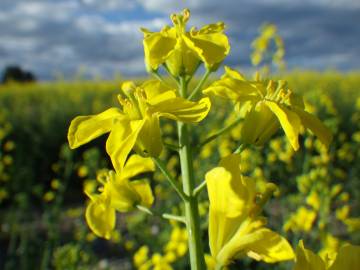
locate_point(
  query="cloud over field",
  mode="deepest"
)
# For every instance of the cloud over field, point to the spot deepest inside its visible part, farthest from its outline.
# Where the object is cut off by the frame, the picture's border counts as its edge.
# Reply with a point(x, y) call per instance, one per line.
point(59, 36)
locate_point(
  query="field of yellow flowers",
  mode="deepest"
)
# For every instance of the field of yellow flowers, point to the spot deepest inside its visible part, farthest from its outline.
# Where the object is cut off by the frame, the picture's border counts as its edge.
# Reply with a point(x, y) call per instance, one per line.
point(42, 182)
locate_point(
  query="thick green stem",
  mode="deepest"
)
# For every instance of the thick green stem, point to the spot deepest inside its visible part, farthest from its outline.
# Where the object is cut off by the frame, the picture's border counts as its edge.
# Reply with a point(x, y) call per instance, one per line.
point(191, 205)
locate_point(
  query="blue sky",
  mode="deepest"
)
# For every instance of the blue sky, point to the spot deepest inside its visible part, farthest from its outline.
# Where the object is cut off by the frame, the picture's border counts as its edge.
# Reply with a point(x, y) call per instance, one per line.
point(102, 37)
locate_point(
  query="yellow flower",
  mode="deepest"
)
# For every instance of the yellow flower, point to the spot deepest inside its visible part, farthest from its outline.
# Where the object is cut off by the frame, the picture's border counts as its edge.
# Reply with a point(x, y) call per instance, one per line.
point(141, 256)
point(182, 51)
point(302, 220)
point(137, 124)
point(353, 224)
point(49, 196)
point(269, 105)
point(118, 193)
point(235, 227)
point(347, 258)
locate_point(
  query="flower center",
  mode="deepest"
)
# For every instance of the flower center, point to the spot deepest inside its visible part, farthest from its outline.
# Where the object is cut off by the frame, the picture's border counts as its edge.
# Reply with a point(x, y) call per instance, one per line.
point(134, 105)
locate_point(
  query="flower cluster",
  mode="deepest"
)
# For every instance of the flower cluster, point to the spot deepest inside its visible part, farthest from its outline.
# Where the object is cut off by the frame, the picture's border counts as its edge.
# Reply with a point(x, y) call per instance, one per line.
point(237, 227)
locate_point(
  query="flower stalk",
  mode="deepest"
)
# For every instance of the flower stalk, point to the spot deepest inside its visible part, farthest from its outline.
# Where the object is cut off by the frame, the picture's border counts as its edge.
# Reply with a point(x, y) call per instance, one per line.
point(191, 205)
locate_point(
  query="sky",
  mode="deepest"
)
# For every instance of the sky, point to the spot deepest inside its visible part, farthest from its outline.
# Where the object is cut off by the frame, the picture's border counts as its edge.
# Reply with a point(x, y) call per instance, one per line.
point(102, 37)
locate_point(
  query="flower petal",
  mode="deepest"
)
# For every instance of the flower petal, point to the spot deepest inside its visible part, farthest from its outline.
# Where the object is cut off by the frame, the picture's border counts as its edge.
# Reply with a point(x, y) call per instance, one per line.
point(101, 218)
point(86, 128)
point(263, 244)
point(136, 165)
point(142, 187)
point(121, 140)
point(149, 140)
point(210, 46)
point(259, 125)
point(157, 47)
point(307, 260)
point(347, 258)
point(180, 109)
point(154, 88)
point(182, 60)
point(315, 125)
point(226, 207)
point(289, 121)
point(122, 195)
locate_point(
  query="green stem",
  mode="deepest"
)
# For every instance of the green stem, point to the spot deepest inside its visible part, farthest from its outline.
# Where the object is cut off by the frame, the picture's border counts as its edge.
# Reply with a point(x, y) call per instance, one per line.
point(174, 217)
point(159, 77)
point(199, 188)
point(191, 205)
point(200, 84)
point(165, 215)
point(171, 146)
point(240, 148)
point(169, 73)
point(171, 180)
point(220, 132)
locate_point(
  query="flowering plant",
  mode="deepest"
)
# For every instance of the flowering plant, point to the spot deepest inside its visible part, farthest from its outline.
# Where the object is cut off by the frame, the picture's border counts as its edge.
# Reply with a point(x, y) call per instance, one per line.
point(237, 227)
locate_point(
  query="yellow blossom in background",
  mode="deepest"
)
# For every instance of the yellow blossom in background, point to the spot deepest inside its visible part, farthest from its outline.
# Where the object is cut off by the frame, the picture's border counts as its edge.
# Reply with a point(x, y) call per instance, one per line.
point(342, 213)
point(330, 247)
point(83, 171)
point(9, 146)
point(262, 49)
point(49, 196)
point(141, 256)
point(348, 258)
point(178, 243)
point(302, 220)
point(353, 224)
point(313, 200)
point(236, 228)
point(181, 51)
point(55, 184)
point(137, 124)
point(269, 105)
point(118, 193)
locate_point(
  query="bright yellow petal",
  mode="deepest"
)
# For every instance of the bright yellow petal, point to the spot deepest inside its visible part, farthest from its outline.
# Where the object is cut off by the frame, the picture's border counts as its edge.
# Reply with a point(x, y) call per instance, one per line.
point(157, 47)
point(143, 188)
point(86, 128)
point(154, 88)
point(149, 139)
point(316, 126)
point(307, 260)
point(348, 258)
point(121, 194)
point(259, 125)
point(233, 86)
point(263, 244)
point(209, 43)
point(234, 74)
point(224, 193)
point(101, 218)
point(182, 60)
point(180, 109)
point(162, 98)
point(136, 165)
point(121, 140)
point(226, 207)
point(289, 121)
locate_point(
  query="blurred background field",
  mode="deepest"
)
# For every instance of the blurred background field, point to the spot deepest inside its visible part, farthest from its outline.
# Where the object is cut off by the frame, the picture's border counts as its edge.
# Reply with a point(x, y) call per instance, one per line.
point(41, 181)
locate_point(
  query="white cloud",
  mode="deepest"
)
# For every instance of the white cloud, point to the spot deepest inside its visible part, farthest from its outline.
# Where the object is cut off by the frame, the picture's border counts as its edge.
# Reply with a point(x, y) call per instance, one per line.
point(61, 35)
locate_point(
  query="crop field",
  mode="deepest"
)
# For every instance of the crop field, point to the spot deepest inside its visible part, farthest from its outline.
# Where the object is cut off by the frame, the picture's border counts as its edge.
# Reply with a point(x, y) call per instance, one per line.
point(42, 181)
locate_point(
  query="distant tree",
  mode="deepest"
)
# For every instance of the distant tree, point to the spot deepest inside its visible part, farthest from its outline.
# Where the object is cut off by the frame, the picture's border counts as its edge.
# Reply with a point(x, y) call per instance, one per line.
point(17, 74)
